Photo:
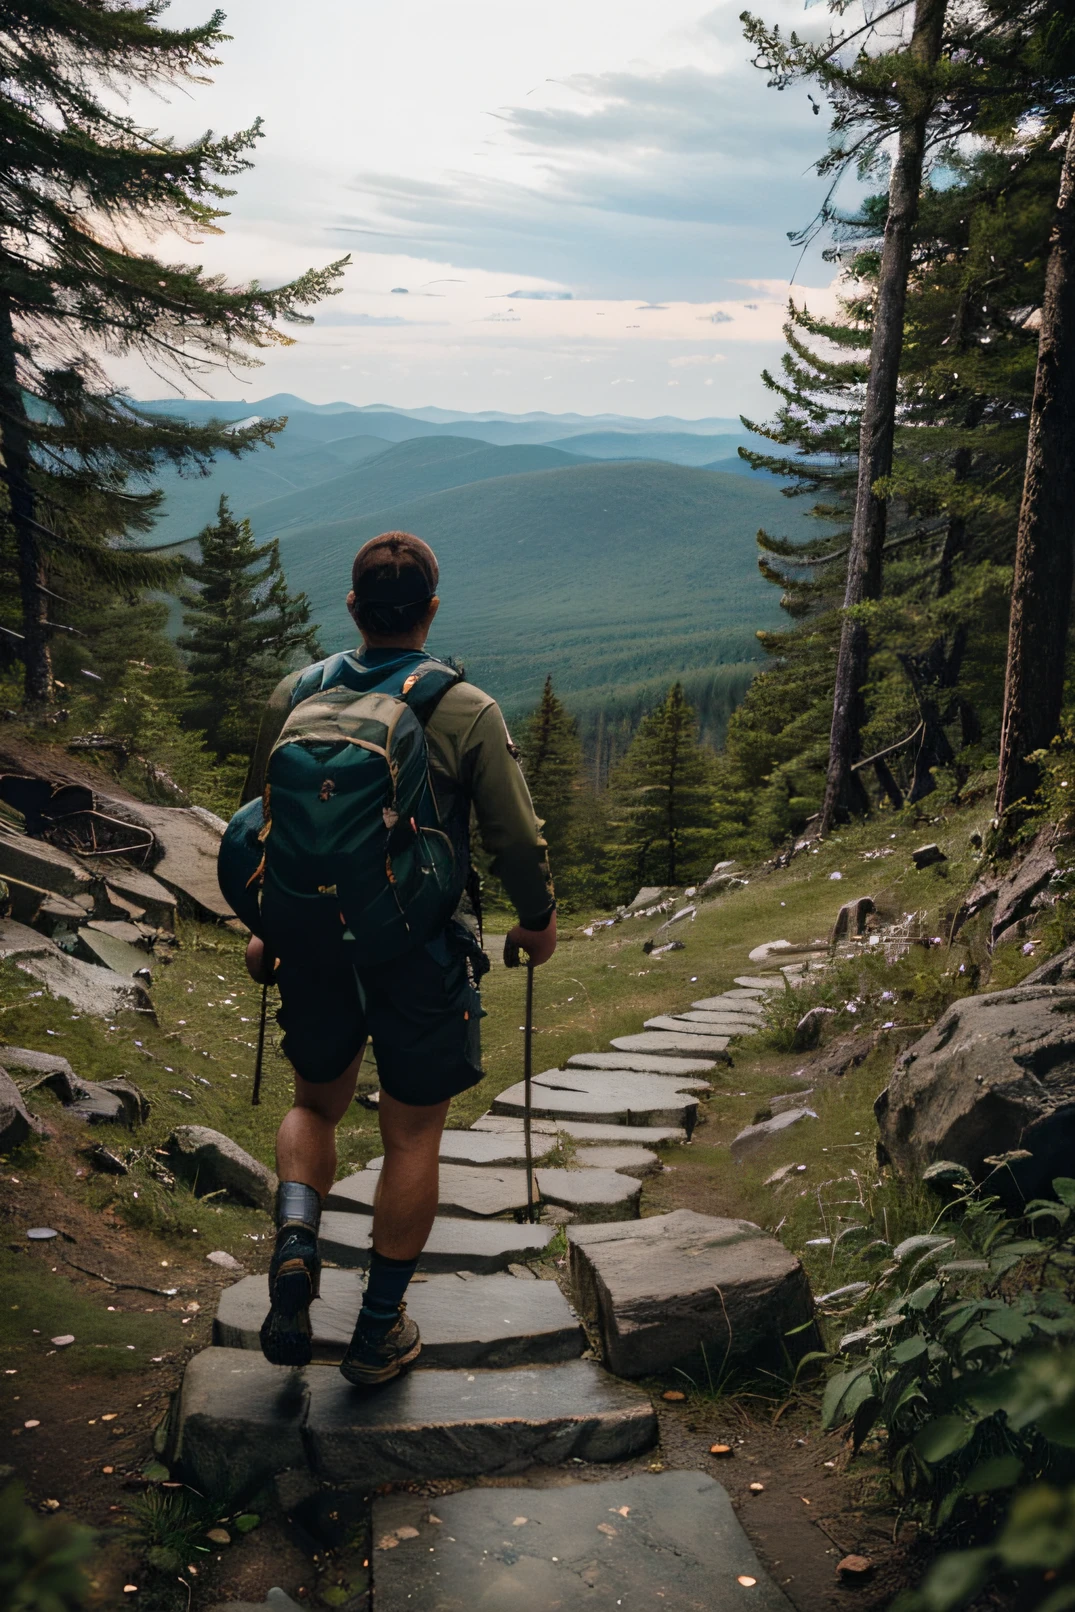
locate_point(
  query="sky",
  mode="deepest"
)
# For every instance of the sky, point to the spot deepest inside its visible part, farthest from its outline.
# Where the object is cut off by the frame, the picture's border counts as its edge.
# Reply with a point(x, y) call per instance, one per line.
point(578, 206)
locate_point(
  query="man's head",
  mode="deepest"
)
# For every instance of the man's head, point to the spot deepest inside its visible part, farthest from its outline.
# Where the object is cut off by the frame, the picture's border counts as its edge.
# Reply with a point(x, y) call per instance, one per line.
point(393, 596)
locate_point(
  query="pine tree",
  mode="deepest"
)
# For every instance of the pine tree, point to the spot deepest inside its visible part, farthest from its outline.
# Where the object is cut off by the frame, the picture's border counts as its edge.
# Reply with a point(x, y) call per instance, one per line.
point(245, 630)
point(82, 186)
point(661, 802)
point(551, 757)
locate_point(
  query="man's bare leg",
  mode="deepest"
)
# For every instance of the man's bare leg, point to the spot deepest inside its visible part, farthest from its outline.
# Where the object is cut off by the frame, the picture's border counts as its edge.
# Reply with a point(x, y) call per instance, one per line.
point(306, 1141)
point(407, 1192)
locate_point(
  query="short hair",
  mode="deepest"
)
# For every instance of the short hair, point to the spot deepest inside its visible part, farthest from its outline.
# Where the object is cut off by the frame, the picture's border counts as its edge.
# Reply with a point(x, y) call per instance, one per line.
point(394, 578)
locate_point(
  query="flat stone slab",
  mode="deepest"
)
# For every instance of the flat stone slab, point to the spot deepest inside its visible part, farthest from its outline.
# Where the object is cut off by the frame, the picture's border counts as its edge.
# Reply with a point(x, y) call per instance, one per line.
point(668, 1539)
point(484, 1148)
point(636, 1161)
point(756, 1136)
point(661, 1290)
point(142, 892)
point(87, 987)
point(241, 1421)
point(453, 1245)
point(591, 1194)
point(760, 982)
point(608, 1095)
point(680, 1044)
point(450, 1424)
point(639, 1064)
point(36, 862)
point(190, 840)
point(585, 1131)
point(494, 1321)
point(751, 999)
point(467, 1191)
point(688, 1024)
point(109, 952)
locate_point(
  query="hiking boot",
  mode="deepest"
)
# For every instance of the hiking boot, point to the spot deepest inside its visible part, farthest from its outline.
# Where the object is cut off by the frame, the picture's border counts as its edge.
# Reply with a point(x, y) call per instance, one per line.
point(294, 1281)
point(375, 1355)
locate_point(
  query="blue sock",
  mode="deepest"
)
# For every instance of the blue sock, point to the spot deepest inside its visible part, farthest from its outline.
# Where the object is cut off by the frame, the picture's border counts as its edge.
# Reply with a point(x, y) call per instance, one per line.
point(385, 1288)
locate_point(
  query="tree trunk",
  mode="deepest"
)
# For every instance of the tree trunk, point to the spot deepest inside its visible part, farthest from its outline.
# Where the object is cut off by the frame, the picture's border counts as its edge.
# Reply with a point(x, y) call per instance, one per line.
point(15, 440)
point(879, 421)
point(1041, 588)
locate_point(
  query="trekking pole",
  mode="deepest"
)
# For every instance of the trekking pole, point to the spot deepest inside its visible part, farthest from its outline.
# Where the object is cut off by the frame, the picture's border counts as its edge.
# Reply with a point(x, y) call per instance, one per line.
point(528, 1059)
point(256, 1095)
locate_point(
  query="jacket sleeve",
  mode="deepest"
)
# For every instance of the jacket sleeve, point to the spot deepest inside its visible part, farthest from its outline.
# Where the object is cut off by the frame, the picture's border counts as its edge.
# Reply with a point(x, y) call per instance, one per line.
point(510, 831)
point(276, 713)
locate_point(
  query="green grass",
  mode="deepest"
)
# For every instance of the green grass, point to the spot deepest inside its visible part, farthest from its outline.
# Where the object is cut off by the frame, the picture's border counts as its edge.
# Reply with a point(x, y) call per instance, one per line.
point(36, 1296)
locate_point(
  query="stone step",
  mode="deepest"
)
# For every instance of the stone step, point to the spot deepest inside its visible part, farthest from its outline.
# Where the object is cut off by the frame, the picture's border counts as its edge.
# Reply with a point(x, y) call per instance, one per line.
point(688, 1024)
point(591, 1195)
point(761, 982)
point(453, 1245)
point(627, 1099)
point(484, 1148)
point(495, 1321)
point(668, 1537)
point(639, 1064)
point(677, 1044)
point(603, 1081)
point(627, 1160)
point(467, 1191)
point(753, 1000)
point(241, 1421)
point(583, 1131)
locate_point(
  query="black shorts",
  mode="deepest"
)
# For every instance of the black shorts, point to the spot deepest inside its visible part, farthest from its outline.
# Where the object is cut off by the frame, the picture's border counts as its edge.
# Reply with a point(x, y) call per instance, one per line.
point(422, 1013)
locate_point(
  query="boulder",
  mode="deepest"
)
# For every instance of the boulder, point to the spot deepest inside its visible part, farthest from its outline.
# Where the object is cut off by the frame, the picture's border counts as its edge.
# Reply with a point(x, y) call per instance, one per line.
point(15, 1123)
point(99, 1102)
point(994, 1075)
point(808, 1030)
point(756, 1136)
point(1024, 890)
point(927, 855)
point(190, 841)
point(90, 989)
point(212, 1162)
point(662, 1290)
point(851, 919)
point(1056, 970)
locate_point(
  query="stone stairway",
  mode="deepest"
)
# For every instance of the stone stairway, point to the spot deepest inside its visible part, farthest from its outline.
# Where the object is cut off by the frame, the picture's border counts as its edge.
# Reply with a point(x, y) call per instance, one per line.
point(505, 1380)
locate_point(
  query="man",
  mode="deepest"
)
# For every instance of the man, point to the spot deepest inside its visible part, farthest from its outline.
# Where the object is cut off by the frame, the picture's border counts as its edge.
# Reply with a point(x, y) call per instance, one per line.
point(422, 1010)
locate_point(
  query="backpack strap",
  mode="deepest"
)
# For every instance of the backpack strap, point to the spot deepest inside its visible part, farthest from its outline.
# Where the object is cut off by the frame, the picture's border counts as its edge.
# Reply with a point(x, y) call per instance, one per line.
point(427, 685)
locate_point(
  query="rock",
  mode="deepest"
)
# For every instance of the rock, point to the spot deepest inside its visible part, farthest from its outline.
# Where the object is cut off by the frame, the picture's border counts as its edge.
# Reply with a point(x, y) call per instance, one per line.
point(583, 1131)
point(488, 1148)
point(677, 1044)
point(592, 1094)
point(132, 934)
point(116, 1101)
point(648, 894)
point(1056, 970)
point(211, 1161)
point(669, 1537)
point(761, 953)
point(711, 1022)
point(756, 1136)
point(473, 1192)
point(442, 1424)
point(681, 1026)
point(662, 951)
point(481, 1246)
point(636, 1161)
point(134, 1101)
point(41, 1234)
point(94, 946)
point(494, 1321)
point(760, 982)
point(90, 989)
point(16, 1124)
point(844, 1053)
point(854, 1568)
point(639, 1064)
point(791, 1099)
point(103, 1159)
point(190, 841)
point(995, 1074)
point(678, 917)
point(1024, 890)
point(36, 862)
point(226, 1261)
point(241, 1421)
point(591, 1194)
point(927, 855)
point(741, 1003)
point(721, 883)
point(851, 919)
point(808, 1030)
point(136, 894)
point(660, 1289)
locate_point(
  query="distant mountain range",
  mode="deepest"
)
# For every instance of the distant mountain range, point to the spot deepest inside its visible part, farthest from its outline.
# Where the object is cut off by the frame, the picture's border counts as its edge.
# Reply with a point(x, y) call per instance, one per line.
point(601, 556)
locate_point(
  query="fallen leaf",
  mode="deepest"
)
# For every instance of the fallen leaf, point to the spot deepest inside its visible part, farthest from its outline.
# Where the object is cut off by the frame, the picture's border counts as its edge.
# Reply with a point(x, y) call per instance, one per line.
point(673, 1396)
point(518, 1522)
point(621, 1511)
point(407, 1532)
point(110, 1417)
point(746, 1581)
point(32, 1423)
point(389, 1542)
point(854, 1567)
point(757, 1488)
point(219, 1536)
point(108, 1469)
point(607, 1528)
point(721, 1450)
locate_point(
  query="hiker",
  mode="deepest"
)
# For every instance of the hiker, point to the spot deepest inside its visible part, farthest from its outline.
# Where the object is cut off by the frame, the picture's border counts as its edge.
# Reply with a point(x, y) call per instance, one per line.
point(367, 918)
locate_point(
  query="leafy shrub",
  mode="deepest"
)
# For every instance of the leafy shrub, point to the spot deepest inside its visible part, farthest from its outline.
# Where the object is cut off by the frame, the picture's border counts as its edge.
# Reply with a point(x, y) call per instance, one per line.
point(41, 1561)
point(950, 1363)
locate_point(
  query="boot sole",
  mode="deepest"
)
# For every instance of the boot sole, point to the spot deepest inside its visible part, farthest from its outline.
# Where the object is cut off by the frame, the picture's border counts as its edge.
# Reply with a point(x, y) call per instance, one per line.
point(374, 1376)
point(286, 1336)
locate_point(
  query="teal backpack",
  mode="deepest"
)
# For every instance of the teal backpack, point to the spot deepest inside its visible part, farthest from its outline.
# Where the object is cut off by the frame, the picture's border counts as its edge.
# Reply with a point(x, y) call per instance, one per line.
point(346, 841)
